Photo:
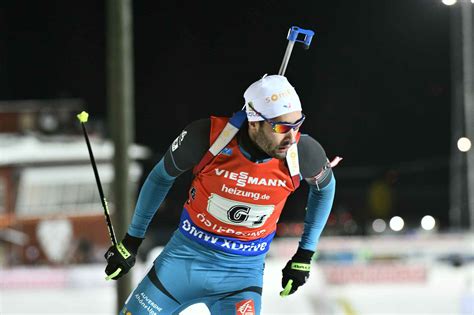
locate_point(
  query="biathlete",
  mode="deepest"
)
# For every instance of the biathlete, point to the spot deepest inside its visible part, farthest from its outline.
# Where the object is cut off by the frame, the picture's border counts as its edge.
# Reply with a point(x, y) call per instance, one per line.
point(244, 168)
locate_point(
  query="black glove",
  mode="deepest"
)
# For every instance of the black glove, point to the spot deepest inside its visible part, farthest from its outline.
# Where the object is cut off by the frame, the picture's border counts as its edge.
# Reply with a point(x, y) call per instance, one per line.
point(121, 257)
point(296, 271)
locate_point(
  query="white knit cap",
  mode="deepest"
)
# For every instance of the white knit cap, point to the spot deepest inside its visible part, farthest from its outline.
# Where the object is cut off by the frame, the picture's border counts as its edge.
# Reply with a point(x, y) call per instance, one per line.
point(272, 96)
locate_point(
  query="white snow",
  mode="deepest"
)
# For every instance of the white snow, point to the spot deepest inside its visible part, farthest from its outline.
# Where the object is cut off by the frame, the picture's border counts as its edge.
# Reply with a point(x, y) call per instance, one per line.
point(83, 290)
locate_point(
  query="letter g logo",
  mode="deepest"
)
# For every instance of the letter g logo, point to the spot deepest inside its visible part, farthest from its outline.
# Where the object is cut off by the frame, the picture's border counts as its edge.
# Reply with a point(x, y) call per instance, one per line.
point(238, 214)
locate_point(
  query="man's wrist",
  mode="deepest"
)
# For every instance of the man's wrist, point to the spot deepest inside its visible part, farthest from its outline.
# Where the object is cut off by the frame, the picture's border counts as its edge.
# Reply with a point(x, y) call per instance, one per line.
point(303, 255)
point(132, 243)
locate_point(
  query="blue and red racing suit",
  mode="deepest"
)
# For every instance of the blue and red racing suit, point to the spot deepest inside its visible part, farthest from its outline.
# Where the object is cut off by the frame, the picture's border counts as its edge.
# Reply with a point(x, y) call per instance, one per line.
point(216, 256)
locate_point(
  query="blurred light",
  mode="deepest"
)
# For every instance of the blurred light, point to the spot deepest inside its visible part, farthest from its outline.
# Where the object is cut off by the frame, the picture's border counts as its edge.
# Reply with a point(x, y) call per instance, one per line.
point(428, 222)
point(282, 229)
point(48, 122)
point(464, 144)
point(345, 216)
point(396, 223)
point(297, 229)
point(379, 225)
point(350, 226)
point(449, 2)
point(32, 253)
point(331, 220)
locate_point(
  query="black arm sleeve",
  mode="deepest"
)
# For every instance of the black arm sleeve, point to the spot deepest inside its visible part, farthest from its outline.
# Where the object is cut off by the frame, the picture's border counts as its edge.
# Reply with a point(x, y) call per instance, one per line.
point(314, 164)
point(188, 148)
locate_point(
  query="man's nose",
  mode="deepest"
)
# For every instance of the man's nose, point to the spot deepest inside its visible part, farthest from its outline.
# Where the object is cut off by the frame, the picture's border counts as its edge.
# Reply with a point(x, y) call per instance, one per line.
point(291, 135)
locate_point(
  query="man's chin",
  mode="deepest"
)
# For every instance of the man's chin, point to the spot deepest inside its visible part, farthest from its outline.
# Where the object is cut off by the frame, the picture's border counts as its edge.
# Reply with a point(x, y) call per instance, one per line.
point(281, 155)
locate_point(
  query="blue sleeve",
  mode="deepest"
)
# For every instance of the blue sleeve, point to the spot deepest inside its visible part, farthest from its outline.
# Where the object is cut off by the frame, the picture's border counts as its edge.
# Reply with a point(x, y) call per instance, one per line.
point(153, 192)
point(318, 209)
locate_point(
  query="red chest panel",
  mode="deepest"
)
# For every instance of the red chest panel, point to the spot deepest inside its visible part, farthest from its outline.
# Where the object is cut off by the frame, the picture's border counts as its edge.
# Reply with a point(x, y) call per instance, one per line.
point(235, 197)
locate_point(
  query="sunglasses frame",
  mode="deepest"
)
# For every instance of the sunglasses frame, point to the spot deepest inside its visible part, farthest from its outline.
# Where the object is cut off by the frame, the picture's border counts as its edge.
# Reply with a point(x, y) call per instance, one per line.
point(293, 126)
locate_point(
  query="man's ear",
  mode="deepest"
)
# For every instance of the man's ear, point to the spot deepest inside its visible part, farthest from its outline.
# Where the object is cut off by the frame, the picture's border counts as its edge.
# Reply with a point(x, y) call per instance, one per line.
point(253, 125)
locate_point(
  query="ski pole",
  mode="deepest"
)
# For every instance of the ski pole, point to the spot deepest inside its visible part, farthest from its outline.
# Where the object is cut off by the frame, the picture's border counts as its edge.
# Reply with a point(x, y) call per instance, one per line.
point(83, 117)
point(292, 38)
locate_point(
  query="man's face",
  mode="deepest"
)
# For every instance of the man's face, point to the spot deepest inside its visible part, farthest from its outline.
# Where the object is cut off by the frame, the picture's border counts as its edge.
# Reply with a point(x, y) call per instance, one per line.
point(274, 144)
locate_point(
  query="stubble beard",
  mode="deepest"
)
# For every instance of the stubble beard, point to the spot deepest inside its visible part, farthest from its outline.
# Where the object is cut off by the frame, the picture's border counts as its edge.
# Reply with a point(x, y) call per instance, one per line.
point(269, 148)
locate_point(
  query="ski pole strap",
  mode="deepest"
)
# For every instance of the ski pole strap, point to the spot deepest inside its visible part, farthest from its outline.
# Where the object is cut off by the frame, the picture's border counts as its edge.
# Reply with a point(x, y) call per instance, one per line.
point(113, 275)
point(226, 135)
point(287, 289)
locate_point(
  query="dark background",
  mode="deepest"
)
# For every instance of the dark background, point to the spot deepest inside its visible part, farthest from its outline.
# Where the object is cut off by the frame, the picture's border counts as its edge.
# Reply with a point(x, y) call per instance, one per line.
point(375, 84)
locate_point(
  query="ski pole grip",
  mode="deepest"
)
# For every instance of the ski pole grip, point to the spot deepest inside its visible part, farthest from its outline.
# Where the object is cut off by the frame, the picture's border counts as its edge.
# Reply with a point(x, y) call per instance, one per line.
point(295, 31)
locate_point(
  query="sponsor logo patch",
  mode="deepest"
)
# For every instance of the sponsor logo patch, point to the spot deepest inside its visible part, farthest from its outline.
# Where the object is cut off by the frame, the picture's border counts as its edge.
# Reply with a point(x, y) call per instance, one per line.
point(109, 254)
point(245, 307)
point(238, 212)
point(243, 178)
point(149, 306)
point(227, 244)
point(177, 142)
point(226, 151)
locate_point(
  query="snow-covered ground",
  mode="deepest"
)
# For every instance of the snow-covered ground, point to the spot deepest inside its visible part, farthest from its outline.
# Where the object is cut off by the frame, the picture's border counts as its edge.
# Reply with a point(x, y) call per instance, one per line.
point(82, 290)
point(415, 284)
